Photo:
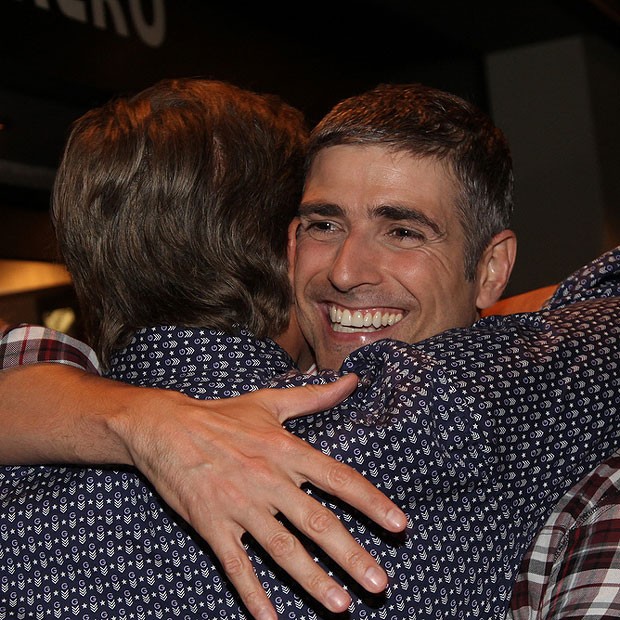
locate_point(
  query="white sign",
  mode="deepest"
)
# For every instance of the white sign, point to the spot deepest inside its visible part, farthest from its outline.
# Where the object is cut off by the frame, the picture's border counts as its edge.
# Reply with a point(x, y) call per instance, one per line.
point(114, 15)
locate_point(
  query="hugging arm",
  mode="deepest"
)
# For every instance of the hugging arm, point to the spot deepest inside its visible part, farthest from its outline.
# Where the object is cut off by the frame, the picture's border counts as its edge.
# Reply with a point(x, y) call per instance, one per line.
point(226, 466)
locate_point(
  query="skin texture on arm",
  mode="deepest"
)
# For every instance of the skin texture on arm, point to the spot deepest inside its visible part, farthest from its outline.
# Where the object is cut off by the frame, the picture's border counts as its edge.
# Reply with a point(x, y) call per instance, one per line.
point(237, 470)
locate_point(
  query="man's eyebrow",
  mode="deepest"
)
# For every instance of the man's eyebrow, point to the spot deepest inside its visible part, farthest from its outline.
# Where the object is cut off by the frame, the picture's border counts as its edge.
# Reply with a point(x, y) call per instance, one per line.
point(406, 214)
point(325, 209)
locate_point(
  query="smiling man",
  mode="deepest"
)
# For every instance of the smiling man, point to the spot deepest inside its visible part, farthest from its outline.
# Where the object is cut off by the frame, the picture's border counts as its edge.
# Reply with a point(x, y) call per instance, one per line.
point(378, 252)
point(403, 226)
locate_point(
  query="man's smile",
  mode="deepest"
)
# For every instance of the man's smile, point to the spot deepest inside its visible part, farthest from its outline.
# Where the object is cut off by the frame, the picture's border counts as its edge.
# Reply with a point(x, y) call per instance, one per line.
point(378, 251)
point(362, 320)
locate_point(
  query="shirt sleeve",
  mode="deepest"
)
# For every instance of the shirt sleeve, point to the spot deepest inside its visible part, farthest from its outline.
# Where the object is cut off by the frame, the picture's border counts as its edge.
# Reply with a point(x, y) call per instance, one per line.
point(572, 568)
point(32, 344)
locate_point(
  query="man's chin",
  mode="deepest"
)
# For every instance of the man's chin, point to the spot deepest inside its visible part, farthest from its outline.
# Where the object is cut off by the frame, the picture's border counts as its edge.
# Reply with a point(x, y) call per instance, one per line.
point(342, 344)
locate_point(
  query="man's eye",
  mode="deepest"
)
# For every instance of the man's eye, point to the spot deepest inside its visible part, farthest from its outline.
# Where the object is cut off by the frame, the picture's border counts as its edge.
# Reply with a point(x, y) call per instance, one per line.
point(407, 237)
point(320, 230)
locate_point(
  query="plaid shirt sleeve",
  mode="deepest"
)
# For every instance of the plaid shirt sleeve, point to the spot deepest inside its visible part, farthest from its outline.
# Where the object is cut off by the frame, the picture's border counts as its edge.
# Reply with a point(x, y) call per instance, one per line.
point(31, 344)
point(572, 569)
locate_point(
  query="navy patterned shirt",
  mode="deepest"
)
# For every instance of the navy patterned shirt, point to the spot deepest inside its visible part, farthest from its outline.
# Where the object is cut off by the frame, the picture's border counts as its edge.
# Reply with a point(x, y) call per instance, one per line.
point(476, 434)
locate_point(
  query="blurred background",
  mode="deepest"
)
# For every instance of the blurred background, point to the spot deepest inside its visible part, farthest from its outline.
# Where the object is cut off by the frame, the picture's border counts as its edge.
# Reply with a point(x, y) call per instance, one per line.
point(547, 71)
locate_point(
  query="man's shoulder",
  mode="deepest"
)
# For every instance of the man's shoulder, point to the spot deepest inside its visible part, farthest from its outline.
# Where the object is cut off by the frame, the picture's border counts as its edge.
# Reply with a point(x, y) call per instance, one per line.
point(24, 344)
point(199, 361)
point(599, 279)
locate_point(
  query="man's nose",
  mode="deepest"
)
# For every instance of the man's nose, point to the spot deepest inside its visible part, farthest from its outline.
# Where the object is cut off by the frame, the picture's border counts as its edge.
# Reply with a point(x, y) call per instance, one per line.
point(355, 264)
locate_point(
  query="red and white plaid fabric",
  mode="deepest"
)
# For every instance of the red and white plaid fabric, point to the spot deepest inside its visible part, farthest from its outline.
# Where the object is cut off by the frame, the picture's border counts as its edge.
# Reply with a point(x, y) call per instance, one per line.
point(31, 344)
point(572, 569)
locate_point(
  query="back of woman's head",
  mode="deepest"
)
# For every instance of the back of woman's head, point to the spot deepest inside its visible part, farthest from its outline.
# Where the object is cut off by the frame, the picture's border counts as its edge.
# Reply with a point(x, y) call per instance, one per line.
point(172, 207)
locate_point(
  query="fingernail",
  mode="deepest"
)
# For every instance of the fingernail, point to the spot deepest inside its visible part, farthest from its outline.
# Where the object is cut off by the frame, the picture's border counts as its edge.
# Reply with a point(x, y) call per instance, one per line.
point(266, 614)
point(338, 599)
point(376, 577)
point(396, 519)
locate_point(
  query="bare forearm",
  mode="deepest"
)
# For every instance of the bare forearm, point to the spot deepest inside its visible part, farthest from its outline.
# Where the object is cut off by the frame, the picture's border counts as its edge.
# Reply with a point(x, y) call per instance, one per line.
point(53, 413)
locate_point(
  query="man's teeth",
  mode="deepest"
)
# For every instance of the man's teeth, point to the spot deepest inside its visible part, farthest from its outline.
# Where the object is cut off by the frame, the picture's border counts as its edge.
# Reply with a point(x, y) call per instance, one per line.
point(361, 320)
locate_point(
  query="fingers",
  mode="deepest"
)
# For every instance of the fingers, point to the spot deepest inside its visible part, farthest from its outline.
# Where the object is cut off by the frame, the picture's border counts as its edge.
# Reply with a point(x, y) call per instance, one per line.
point(325, 529)
point(294, 402)
point(230, 471)
point(317, 523)
point(343, 482)
point(285, 549)
point(324, 472)
point(240, 573)
point(350, 486)
point(321, 470)
point(288, 552)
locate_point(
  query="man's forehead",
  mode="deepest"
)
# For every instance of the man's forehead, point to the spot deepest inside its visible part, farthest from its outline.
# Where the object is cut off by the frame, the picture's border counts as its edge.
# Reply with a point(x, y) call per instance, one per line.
point(377, 180)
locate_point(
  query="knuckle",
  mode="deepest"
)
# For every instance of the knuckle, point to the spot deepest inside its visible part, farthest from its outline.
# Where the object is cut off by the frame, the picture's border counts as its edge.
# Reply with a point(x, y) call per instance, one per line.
point(285, 443)
point(318, 583)
point(281, 544)
point(340, 476)
point(355, 559)
point(254, 599)
point(320, 520)
point(234, 565)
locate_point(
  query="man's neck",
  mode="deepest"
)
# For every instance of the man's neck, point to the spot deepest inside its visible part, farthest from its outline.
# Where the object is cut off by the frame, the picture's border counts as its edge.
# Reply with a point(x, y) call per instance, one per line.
point(293, 342)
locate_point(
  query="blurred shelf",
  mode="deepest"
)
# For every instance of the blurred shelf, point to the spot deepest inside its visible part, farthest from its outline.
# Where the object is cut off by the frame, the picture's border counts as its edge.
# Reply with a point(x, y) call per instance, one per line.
point(21, 276)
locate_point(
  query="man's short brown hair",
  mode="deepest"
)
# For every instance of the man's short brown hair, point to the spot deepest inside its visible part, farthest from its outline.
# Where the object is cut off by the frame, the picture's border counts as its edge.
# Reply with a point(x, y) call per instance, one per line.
point(426, 122)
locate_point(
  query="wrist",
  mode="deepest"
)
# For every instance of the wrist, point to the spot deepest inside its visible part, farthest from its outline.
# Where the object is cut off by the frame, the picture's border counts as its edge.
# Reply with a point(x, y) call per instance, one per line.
point(130, 417)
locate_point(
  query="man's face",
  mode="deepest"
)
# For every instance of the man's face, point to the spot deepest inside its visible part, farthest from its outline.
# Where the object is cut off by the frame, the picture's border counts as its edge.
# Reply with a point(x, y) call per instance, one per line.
point(378, 252)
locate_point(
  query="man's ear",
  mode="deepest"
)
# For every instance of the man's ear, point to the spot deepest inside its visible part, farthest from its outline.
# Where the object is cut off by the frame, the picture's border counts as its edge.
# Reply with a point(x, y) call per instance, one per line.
point(291, 247)
point(495, 268)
